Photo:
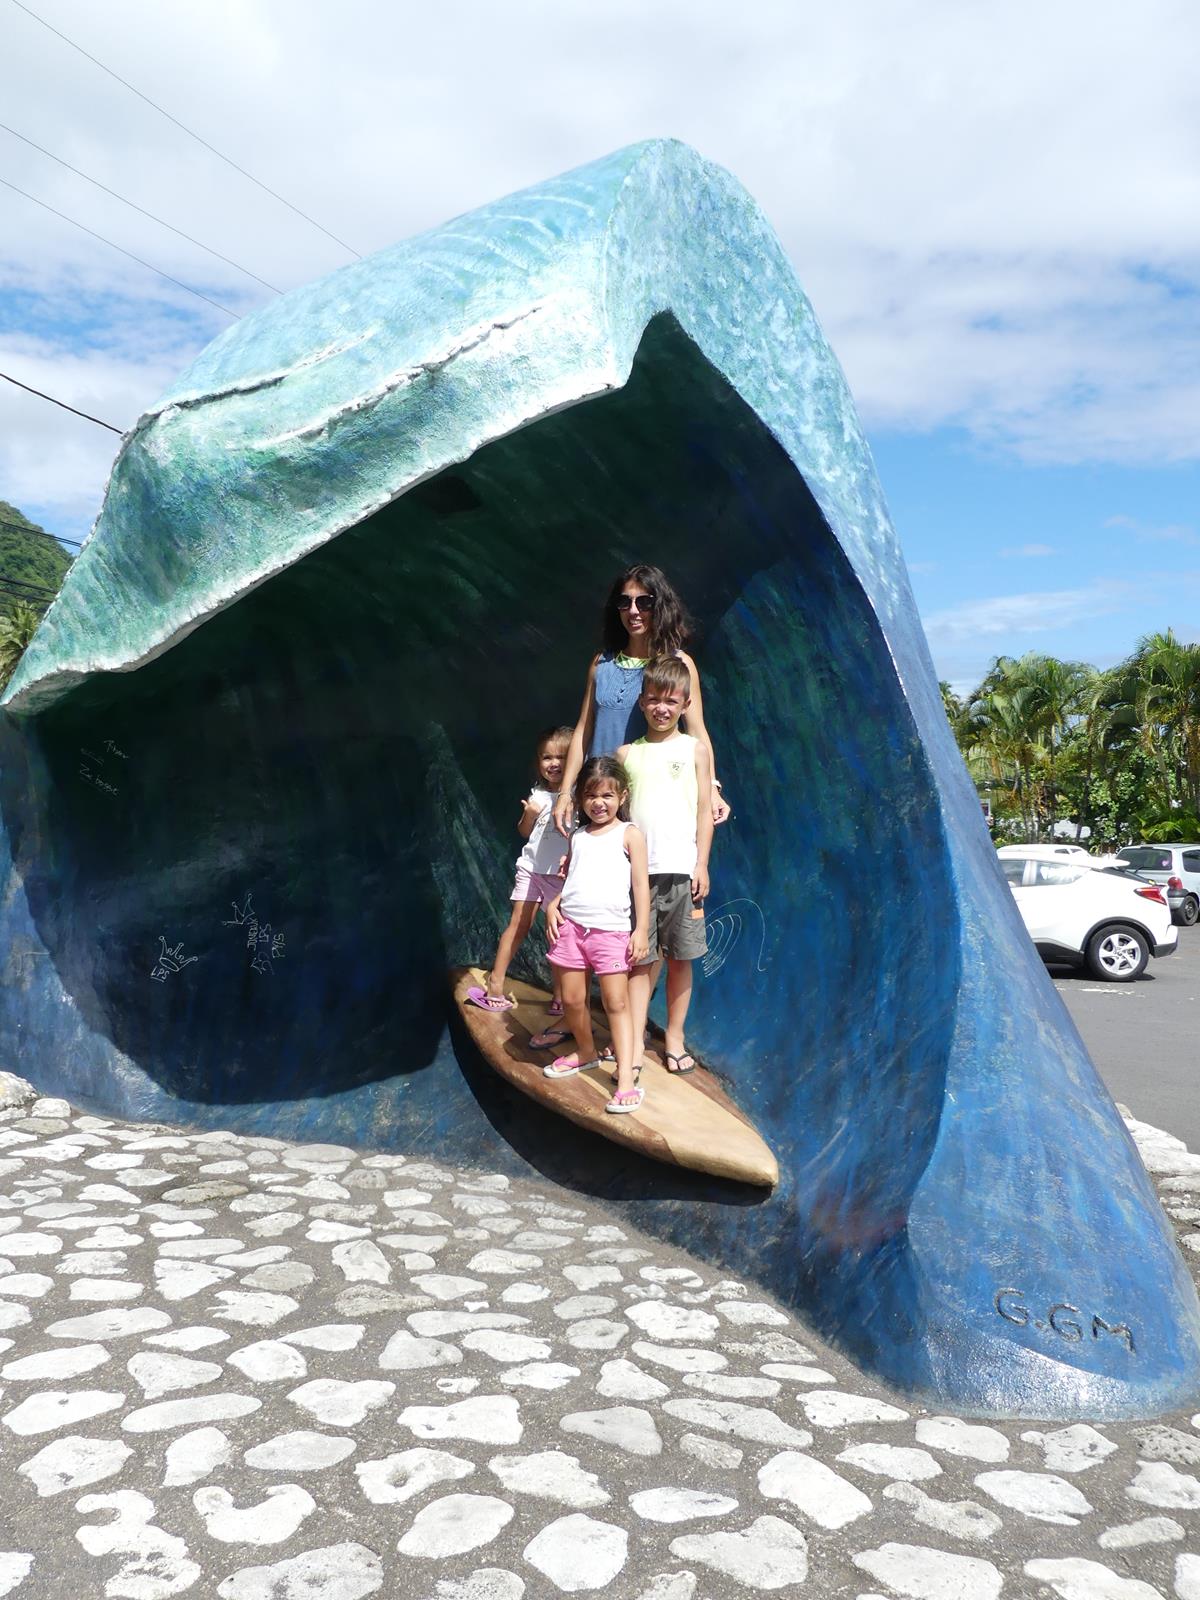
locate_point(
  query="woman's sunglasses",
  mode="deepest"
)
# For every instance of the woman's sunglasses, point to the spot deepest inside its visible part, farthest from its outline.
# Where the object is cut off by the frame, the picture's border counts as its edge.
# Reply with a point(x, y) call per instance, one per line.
point(638, 602)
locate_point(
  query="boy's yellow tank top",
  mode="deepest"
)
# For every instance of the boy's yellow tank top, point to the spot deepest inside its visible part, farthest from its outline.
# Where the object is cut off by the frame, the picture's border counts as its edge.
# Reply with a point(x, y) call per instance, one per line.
point(662, 800)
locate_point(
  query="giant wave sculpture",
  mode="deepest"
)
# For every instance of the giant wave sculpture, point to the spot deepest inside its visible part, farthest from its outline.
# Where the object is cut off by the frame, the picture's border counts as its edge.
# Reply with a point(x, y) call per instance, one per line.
point(259, 768)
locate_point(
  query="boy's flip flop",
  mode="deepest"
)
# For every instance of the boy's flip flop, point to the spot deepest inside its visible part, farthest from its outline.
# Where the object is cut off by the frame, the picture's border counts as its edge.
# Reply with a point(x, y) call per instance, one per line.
point(490, 1002)
point(679, 1069)
point(637, 1073)
point(549, 1038)
point(562, 1068)
point(625, 1101)
point(607, 1053)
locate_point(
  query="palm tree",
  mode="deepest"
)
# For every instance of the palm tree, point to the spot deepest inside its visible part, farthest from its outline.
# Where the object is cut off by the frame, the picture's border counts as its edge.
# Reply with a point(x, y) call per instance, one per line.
point(1059, 696)
point(17, 627)
point(1001, 734)
point(1168, 705)
point(1019, 716)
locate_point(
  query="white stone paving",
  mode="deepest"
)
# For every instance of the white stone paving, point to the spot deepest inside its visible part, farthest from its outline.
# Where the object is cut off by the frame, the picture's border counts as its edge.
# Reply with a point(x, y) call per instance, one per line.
point(236, 1367)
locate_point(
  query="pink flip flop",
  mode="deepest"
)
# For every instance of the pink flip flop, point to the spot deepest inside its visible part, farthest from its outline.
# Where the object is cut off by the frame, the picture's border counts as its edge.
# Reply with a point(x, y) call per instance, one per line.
point(625, 1101)
point(490, 1002)
point(556, 1008)
point(560, 1067)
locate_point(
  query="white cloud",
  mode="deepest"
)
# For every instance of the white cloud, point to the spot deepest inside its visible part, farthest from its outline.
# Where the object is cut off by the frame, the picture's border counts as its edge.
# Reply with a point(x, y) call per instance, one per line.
point(1152, 533)
point(54, 465)
point(964, 638)
point(1037, 612)
point(1027, 551)
point(987, 244)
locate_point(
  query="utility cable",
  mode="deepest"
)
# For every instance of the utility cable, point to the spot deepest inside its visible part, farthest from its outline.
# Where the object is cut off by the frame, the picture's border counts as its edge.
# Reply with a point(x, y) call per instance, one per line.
point(133, 205)
point(33, 588)
point(42, 395)
point(158, 271)
point(24, 527)
point(229, 162)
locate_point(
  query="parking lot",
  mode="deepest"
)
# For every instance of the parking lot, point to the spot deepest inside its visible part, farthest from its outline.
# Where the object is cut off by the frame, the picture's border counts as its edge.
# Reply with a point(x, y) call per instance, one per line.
point(1145, 1036)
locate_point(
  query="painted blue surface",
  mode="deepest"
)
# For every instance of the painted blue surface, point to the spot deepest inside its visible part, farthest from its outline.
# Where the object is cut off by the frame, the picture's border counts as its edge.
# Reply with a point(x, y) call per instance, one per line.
point(346, 570)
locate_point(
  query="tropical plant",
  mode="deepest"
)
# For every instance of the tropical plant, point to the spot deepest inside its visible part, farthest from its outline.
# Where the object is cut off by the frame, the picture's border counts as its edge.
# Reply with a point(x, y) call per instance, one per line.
point(999, 734)
point(1168, 710)
point(32, 562)
point(17, 627)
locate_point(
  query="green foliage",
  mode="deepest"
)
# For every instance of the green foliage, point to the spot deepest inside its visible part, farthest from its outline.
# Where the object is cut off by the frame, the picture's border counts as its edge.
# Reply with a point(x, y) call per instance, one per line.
point(17, 626)
point(28, 554)
point(1181, 827)
point(1117, 751)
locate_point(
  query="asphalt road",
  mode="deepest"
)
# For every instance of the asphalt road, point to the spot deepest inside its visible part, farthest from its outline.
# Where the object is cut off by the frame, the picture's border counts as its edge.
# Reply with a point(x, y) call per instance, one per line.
point(1145, 1037)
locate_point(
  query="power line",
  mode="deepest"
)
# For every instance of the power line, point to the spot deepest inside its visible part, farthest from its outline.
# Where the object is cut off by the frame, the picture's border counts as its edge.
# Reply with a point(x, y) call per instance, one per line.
point(229, 162)
point(38, 605)
point(33, 588)
point(28, 387)
point(120, 247)
point(44, 533)
point(87, 177)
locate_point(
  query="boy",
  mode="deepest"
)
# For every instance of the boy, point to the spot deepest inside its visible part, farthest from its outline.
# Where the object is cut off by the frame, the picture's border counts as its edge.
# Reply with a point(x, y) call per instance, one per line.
point(670, 778)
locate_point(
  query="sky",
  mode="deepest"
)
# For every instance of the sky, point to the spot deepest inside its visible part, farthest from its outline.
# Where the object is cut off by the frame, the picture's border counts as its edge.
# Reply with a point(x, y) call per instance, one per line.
point(995, 210)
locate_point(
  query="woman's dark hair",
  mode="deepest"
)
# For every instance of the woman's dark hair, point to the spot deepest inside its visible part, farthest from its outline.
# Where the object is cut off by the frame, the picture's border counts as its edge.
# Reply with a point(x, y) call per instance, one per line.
point(670, 625)
point(596, 771)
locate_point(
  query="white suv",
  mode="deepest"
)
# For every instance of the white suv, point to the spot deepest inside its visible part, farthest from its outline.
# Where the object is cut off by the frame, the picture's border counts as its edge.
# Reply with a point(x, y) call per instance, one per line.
point(1110, 923)
point(1176, 867)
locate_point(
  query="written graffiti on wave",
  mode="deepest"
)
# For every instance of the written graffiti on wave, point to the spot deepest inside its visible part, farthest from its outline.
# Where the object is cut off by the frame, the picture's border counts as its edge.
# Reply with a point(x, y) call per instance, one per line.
point(725, 926)
point(267, 946)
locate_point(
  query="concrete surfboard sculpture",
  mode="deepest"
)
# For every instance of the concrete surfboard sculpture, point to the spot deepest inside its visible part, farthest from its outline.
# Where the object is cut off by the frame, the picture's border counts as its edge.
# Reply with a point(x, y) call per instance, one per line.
point(256, 773)
point(685, 1120)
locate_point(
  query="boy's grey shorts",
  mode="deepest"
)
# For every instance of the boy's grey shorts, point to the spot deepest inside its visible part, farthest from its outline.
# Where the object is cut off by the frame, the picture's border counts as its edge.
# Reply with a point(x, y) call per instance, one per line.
point(676, 925)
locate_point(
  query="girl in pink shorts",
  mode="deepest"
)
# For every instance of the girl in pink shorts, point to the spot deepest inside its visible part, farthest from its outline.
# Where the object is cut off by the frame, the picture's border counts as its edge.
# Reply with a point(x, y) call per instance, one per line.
point(589, 924)
point(538, 880)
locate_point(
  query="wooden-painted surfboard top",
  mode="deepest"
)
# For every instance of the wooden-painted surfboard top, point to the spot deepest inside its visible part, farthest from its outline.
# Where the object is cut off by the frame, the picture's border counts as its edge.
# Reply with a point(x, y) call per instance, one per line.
point(686, 1120)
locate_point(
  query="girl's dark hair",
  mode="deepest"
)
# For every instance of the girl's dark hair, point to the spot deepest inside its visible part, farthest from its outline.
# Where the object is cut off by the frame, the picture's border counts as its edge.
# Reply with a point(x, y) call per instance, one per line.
point(670, 625)
point(595, 771)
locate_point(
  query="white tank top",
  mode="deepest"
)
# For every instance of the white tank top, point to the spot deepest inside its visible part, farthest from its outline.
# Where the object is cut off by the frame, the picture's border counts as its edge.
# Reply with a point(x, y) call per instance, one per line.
point(597, 890)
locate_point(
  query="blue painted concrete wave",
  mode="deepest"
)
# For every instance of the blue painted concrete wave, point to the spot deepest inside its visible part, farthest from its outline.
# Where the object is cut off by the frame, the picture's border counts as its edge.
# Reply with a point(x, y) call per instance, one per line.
point(257, 780)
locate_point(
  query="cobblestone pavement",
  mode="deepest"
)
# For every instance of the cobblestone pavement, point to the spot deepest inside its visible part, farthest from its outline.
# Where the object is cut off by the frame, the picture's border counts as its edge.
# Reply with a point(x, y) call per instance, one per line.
point(263, 1371)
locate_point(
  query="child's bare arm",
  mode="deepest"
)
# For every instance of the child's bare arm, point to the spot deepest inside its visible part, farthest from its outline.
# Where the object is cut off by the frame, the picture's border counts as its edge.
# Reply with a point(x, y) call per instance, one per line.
point(553, 913)
point(639, 939)
point(704, 821)
point(530, 812)
point(694, 720)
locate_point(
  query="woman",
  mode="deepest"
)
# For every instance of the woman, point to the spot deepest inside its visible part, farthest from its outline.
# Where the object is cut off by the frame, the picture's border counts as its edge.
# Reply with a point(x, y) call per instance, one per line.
point(643, 618)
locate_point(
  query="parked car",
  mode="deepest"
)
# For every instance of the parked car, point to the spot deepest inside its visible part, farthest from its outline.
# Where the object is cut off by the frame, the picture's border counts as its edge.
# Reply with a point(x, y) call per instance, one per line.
point(1177, 866)
point(1046, 852)
point(1109, 922)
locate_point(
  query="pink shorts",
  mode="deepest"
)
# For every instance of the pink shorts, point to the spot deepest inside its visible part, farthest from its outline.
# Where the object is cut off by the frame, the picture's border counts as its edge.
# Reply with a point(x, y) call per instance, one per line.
point(590, 949)
point(540, 886)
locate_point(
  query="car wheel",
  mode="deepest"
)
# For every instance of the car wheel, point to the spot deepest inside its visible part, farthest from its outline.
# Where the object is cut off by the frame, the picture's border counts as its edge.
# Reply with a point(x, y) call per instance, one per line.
point(1189, 911)
point(1118, 955)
